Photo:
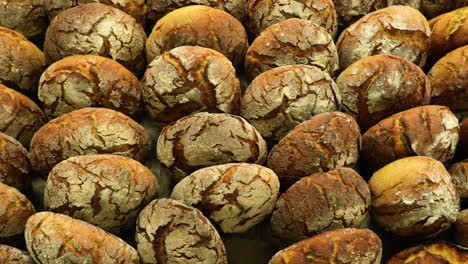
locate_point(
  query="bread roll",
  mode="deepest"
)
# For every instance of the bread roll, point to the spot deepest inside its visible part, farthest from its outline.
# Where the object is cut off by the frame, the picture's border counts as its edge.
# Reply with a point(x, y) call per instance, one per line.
point(326, 141)
point(25, 17)
point(190, 79)
point(81, 81)
point(24, 57)
point(414, 197)
point(235, 196)
point(431, 131)
point(204, 139)
point(20, 117)
point(169, 231)
point(87, 131)
point(290, 42)
point(436, 252)
point(461, 230)
point(433, 8)
point(55, 238)
point(14, 163)
point(378, 86)
point(264, 13)
point(459, 172)
point(11, 255)
point(325, 201)
point(397, 30)
point(198, 26)
point(96, 29)
point(279, 99)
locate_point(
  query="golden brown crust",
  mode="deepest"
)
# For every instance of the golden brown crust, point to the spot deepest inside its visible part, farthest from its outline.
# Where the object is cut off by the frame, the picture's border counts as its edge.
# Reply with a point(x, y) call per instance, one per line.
point(290, 42)
point(461, 229)
point(279, 99)
point(459, 172)
point(96, 29)
point(25, 17)
point(56, 238)
point(107, 191)
point(89, 81)
point(87, 131)
point(20, 117)
point(21, 63)
point(344, 246)
point(379, 86)
point(340, 198)
point(431, 131)
point(11, 255)
point(397, 30)
point(190, 79)
point(449, 32)
point(326, 141)
point(198, 26)
point(435, 253)
point(14, 163)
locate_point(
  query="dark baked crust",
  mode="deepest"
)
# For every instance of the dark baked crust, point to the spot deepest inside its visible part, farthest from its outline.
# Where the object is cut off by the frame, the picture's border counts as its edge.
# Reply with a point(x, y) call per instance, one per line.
point(25, 17)
point(433, 8)
point(14, 163)
point(436, 253)
point(461, 230)
point(459, 172)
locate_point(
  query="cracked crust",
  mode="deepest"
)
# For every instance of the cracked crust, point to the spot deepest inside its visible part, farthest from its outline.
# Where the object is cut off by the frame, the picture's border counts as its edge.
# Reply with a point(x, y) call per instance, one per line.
point(56, 238)
point(107, 191)
point(433, 8)
point(136, 8)
point(449, 80)
point(199, 26)
point(396, 30)
point(190, 79)
point(11, 255)
point(20, 117)
point(265, 13)
point(15, 209)
point(461, 229)
point(14, 163)
point(345, 246)
point(459, 173)
point(89, 81)
point(169, 232)
point(158, 9)
point(204, 139)
point(235, 196)
point(21, 63)
point(339, 198)
point(290, 42)
point(87, 131)
point(434, 253)
point(25, 17)
point(431, 131)
point(382, 85)
point(279, 99)
point(414, 197)
point(326, 141)
point(96, 29)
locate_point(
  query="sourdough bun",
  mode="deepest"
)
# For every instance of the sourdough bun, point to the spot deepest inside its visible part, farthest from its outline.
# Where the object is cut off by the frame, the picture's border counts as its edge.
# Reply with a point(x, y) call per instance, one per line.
point(459, 172)
point(14, 163)
point(25, 17)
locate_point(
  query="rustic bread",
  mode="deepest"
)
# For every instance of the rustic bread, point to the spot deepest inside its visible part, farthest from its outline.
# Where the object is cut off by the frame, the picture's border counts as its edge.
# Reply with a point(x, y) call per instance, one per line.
point(14, 163)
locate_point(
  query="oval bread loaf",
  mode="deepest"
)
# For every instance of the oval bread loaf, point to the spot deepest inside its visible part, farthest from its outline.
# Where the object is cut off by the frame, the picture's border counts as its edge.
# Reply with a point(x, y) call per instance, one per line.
point(436, 252)
point(25, 17)
point(11, 255)
point(459, 173)
point(14, 163)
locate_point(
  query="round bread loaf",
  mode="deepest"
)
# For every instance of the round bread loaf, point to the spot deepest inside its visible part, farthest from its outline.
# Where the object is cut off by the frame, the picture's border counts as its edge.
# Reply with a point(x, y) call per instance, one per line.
point(204, 139)
point(11, 255)
point(414, 197)
point(433, 8)
point(14, 163)
point(169, 231)
point(325, 201)
point(347, 245)
point(21, 63)
point(235, 196)
point(99, 30)
point(437, 253)
point(55, 238)
point(279, 99)
point(20, 117)
point(459, 172)
point(87, 80)
point(135, 8)
point(449, 32)
point(157, 8)
point(264, 13)
point(15, 209)
point(461, 230)
point(87, 131)
point(198, 26)
point(25, 17)
point(107, 191)
point(326, 141)
point(397, 30)
point(431, 131)
point(190, 79)
point(290, 42)
point(379, 86)
point(449, 80)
